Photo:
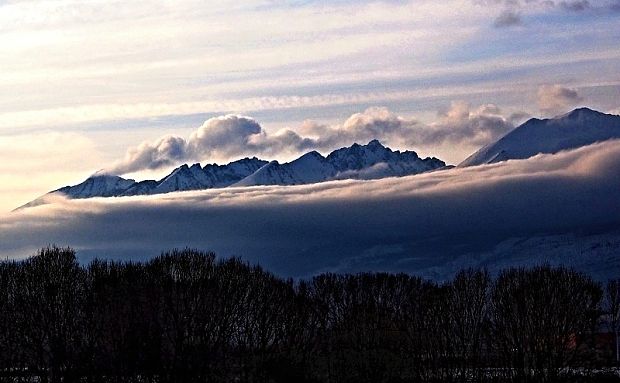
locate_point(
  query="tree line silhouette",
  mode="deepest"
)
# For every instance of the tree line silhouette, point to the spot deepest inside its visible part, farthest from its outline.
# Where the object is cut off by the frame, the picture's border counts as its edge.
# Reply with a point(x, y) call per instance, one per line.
point(186, 316)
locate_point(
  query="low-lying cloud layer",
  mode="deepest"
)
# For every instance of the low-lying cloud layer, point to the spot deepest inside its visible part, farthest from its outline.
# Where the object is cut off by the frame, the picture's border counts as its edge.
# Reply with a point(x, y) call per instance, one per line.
point(418, 223)
point(230, 137)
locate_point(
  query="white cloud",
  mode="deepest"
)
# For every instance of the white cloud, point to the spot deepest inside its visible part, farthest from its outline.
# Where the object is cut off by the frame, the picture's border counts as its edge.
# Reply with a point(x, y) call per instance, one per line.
point(461, 125)
point(231, 137)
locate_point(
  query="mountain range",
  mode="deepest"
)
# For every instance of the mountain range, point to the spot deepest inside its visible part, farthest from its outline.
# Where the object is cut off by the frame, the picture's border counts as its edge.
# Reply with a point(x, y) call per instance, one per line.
point(357, 161)
point(491, 216)
point(580, 127)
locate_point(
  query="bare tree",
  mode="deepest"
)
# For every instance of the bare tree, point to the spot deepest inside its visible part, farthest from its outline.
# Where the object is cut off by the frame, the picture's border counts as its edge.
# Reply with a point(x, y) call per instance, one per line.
point(540, 316)
point(186, 316)
point(468, 319)
point(612, 308)
point(50, 294)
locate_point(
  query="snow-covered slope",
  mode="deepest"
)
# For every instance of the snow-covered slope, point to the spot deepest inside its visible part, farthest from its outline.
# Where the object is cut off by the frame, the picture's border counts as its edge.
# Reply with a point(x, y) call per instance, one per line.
point(139, 188)
point(196, 178)
point(97, 186)
point(578, 128)
point(182, 178)
point(357, 161)
point(310, 168)
point(226, 175)
point(595, 254)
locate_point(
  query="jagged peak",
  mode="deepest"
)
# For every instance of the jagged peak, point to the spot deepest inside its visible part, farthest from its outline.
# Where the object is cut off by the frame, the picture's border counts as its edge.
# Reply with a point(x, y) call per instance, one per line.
point(356, 148)
point(246, 159)
point(239, 161)
point(312, 154)
point(375, 144)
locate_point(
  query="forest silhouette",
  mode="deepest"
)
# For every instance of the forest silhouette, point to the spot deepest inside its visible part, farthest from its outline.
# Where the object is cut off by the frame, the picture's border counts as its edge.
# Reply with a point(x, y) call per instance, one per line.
point(187, 316)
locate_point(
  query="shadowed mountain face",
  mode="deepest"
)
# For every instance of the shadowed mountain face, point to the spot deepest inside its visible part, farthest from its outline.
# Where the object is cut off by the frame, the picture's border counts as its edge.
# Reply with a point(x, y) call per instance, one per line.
point(358, 161)
point(575, 129)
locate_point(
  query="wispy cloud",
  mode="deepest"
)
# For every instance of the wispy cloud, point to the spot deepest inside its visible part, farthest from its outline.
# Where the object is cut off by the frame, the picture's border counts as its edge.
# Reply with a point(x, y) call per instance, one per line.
point(156, 59)
point(512, 9)
point(554, 99)
point(575, 5)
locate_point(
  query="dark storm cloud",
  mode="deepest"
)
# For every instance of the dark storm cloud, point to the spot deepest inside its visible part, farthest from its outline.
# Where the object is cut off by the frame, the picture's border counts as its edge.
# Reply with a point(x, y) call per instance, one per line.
point(418, 223)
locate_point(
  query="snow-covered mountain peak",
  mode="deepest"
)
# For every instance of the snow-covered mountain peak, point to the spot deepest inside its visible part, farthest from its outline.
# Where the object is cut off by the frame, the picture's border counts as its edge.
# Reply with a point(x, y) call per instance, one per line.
point(97, 185)
point(181, 169)
point(357, 157)
point(312, 154)
point(356, 161)
point(375, 144)
point(577, 128)
point(310, 157)
point(579, 113)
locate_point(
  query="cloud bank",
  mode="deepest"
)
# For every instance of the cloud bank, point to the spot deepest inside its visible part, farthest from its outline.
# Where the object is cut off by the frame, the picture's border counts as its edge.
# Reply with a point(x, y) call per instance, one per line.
point(422, 224)
point(230, 137)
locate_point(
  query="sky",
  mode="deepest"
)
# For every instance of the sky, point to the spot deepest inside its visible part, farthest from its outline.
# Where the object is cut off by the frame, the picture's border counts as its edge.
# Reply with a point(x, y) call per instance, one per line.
point(119, 86)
